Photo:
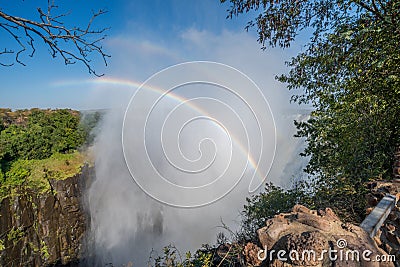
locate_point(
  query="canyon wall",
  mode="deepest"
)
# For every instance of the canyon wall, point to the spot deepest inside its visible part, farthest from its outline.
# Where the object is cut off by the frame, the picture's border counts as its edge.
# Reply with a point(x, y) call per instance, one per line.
point(43, 229)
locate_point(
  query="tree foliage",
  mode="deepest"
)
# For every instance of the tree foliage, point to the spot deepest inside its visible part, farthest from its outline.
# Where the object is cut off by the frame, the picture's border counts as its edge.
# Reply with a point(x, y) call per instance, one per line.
point(279, 21)
point(36, 145)
point(349, 73)
point(352, 79)
point(71, 43)
point(45, 133)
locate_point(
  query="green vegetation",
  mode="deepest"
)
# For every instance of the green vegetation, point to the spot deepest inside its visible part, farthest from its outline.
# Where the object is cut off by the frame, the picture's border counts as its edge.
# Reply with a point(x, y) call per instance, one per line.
point(349, 74)
point(44, 251)
point(2, 247)
point(41, 134)
point(37, 145)
point(15, 235)
point(35, 173)
point(171, 257)
point(261, 207)
point(352, 80)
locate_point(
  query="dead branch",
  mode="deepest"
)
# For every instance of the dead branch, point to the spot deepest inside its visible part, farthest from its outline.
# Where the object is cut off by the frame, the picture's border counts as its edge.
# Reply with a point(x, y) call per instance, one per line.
point(72, 44)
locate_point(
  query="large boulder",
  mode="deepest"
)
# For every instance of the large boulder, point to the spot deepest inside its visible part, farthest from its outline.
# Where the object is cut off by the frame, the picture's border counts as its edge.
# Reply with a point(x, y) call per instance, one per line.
point(306, 237)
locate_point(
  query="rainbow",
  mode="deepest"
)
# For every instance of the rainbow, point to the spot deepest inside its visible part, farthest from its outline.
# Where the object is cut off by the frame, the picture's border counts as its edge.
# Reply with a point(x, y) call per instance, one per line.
point(136, 85)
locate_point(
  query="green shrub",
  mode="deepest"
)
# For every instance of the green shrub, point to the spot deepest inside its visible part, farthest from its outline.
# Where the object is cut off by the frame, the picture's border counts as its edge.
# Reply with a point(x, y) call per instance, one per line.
point(263, 206)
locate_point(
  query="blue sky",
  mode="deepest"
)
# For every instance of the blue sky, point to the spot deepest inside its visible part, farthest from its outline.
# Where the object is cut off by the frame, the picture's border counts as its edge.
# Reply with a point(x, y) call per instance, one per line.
point(145, 36)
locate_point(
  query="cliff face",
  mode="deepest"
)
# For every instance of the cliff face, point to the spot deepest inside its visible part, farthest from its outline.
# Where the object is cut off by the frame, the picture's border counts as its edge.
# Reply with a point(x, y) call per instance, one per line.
point(45, 229)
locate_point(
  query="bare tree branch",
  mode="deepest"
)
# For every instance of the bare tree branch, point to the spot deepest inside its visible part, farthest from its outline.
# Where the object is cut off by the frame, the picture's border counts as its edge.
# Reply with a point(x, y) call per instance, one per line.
point(5, 51)
point(72, 44)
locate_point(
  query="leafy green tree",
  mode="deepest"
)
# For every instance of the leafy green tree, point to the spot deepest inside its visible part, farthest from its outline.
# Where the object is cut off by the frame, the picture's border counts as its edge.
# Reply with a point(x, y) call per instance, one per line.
point(67, 132)
point(352, 79)
point(10, 141)
point(349, 73)
point(45, 133)
point(279, 21)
